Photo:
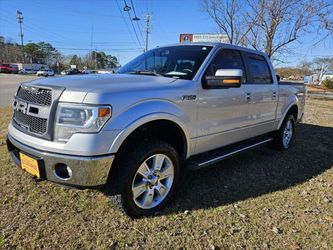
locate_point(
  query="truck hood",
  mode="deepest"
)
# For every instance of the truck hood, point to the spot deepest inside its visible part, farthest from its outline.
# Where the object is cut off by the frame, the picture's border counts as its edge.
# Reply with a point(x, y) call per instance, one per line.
point(106, 82)
point(78, 86)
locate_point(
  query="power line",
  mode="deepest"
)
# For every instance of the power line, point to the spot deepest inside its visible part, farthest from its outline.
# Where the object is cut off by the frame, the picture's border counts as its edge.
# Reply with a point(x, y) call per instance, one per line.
point(137, 19)
point(135, 16)
point(128, 28)
point(88, 49)
point(127, 9)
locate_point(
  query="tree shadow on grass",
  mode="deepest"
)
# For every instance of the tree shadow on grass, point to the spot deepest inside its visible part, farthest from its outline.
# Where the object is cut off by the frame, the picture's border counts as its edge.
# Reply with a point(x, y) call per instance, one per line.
point(257, 172)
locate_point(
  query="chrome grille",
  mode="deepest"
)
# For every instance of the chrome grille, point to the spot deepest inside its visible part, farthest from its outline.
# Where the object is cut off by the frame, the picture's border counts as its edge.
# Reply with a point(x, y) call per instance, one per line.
point(34, 108)
point(27, 96)
point(31, 123)
point(38, 96)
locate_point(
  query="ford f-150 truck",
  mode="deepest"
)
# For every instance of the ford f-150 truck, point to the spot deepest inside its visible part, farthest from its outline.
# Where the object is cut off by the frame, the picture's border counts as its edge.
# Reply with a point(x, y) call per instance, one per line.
point(135, 132)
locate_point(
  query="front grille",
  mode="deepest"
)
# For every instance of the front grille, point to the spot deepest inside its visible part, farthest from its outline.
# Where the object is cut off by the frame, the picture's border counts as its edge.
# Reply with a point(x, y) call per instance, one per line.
point(35, 124)
point(39, 96)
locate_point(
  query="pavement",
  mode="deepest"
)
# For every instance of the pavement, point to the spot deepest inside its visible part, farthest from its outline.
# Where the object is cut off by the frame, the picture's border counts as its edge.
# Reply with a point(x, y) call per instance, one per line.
point(8, 86)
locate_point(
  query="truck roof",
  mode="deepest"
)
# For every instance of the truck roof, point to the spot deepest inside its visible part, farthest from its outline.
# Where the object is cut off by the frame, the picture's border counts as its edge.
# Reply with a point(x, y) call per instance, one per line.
point(215, 44)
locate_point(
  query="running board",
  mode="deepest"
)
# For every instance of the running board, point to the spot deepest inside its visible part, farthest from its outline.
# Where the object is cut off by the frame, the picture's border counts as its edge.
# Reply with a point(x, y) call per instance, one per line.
point(217, 155)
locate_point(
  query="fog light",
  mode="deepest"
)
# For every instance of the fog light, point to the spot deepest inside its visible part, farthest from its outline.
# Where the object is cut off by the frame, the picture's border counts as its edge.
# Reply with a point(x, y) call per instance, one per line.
point(62, 171)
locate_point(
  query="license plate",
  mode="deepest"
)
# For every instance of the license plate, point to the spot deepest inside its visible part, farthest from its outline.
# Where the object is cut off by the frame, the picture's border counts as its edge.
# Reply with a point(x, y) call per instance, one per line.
point(30, 165)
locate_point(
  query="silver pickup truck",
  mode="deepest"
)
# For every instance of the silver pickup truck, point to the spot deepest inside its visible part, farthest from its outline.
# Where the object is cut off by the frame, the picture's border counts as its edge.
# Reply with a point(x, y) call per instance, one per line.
point(134, 132)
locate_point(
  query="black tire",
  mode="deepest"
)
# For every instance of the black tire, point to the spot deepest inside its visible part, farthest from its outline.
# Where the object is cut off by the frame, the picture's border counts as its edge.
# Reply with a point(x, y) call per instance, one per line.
point(279, 142)
point(128, 164)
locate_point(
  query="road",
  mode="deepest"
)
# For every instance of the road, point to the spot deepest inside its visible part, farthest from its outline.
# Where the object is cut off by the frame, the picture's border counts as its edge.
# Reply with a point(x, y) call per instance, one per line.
point(9, 84)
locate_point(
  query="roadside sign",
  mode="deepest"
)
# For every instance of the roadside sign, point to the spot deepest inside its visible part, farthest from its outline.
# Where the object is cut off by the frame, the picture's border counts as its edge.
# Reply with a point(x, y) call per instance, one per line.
point(188, 38)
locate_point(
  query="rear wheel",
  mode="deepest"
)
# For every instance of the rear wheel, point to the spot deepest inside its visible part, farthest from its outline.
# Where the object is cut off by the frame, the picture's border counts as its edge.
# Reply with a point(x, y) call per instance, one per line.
point(286, 134)
point(151, 175)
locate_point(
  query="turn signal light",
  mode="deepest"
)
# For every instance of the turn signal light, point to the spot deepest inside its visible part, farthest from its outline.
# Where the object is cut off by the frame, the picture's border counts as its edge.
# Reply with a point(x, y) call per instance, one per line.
point(231, 81)
point(103, 112)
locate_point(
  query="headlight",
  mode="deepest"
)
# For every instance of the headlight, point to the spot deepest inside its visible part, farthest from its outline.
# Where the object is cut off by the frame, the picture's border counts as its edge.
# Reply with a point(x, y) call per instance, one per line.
point(79, 118)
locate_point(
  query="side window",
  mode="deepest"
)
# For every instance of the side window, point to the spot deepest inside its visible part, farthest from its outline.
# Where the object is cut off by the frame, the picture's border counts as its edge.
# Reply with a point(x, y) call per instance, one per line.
point(259, 72)
point(225, 59)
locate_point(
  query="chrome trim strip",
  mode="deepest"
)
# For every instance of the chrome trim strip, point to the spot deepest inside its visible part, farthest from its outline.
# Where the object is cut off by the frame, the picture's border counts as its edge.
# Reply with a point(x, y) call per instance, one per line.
point(211, 161)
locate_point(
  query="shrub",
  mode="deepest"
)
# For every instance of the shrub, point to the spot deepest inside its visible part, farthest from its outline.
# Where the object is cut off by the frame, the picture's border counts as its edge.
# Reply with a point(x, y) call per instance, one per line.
point(328, 83)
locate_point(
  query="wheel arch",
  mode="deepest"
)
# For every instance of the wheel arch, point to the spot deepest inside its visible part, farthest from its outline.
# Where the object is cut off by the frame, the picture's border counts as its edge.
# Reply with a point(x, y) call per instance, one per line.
point(291, 110)
point(165, 125)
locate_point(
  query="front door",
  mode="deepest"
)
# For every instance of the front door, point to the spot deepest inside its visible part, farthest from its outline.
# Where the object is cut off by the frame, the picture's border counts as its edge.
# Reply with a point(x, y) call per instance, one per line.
point(224, 114)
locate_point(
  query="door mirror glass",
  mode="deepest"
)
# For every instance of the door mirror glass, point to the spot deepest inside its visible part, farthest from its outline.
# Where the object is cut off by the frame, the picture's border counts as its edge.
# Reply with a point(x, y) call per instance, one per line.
point(225, 78)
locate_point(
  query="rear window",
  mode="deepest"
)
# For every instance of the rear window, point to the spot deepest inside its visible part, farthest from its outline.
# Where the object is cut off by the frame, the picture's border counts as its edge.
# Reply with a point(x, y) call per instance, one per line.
point(259, 72)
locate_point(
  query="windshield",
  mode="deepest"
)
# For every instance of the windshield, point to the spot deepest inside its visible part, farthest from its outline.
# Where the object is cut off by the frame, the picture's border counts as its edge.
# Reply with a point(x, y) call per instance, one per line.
point(175, 61)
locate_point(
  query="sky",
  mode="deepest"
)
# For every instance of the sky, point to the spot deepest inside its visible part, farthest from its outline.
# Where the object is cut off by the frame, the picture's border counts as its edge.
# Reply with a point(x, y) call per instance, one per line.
point(78, 26)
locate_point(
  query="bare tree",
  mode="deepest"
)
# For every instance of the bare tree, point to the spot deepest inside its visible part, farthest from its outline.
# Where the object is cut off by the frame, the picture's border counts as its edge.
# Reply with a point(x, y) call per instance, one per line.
point(326, 18)
point(267, 25)
point(279, 23)
point(230, 18)
point(325, 63)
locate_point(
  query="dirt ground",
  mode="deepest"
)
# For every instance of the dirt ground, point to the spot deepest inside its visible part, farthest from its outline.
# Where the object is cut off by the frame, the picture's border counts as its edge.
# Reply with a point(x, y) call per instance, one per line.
point(263, 199)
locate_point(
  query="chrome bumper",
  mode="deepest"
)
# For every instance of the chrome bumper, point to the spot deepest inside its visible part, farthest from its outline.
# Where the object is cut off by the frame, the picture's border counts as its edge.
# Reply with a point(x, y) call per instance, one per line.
point(87, 171)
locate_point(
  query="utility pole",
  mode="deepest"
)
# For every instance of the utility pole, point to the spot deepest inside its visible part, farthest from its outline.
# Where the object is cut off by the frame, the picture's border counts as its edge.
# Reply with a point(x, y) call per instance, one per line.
point(147, 18)
point(19, 18)
point(91, 46)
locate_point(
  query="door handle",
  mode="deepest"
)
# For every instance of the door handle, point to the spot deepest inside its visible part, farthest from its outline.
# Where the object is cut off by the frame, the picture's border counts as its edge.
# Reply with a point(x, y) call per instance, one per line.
point(248, 97)
point(274, 95)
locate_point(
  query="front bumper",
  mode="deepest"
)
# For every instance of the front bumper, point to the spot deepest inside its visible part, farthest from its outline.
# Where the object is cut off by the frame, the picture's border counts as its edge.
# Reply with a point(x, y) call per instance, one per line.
point(87, 171)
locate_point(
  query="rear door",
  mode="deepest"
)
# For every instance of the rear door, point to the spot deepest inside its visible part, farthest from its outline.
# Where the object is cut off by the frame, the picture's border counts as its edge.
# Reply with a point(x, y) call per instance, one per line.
point(264, 92)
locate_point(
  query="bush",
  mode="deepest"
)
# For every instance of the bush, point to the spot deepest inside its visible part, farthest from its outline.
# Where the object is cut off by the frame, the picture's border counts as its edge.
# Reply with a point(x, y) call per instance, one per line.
point(328, 83)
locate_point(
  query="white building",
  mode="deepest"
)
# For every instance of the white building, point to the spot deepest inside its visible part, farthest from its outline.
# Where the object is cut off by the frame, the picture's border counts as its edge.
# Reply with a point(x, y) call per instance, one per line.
point(327, 75)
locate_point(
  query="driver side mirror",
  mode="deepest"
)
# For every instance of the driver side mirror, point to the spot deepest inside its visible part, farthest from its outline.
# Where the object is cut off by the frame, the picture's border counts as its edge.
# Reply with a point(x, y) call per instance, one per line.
point(224, 78)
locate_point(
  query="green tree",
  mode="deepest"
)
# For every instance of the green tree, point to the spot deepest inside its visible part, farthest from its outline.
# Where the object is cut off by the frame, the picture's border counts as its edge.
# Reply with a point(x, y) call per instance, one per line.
point(38, 52)
point(112, 61)
point(76, 60)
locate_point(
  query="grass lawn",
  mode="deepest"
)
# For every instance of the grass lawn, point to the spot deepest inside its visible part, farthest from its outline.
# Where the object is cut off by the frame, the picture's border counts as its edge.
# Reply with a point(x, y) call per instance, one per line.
point(263, 199)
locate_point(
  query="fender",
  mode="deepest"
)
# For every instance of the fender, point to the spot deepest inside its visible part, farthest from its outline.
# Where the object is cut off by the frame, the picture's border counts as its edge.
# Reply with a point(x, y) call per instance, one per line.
point(291, 101)
point(144, 112)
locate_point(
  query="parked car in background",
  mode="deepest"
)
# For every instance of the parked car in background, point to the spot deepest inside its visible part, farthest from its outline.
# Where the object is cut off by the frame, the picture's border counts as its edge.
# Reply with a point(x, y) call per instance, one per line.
point(71, 72)
point(45, 72)
point(89, 71)
point(27, 71)
point(8, 68)
point(14, 68)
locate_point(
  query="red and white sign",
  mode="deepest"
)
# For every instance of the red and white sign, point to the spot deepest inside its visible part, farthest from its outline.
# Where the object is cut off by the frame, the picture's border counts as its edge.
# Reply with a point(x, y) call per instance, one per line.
point(197, 38)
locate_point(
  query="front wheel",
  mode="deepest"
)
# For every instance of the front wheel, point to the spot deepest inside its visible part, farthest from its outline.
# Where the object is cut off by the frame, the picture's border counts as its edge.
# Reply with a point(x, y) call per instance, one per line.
point(151, 175)
point(286, 134)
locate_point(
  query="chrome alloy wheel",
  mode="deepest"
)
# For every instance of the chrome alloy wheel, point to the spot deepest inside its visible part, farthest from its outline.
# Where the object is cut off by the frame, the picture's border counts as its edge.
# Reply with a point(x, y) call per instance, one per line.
point(152, 181)
point(287, 134)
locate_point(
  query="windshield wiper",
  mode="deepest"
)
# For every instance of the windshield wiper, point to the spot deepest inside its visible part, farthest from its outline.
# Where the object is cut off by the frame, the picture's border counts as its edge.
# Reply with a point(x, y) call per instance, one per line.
point(144, 72)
